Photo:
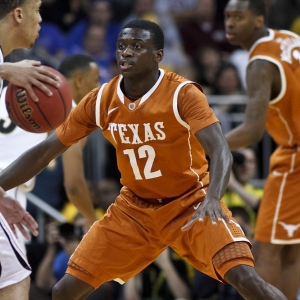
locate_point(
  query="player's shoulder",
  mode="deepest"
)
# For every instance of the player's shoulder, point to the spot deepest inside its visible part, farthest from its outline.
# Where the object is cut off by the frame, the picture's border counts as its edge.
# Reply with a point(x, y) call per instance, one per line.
point(286, 33)
point(176, 79)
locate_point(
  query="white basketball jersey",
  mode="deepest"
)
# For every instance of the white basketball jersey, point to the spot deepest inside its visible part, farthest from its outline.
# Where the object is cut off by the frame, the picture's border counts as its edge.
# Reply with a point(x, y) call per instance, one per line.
point(14, 140)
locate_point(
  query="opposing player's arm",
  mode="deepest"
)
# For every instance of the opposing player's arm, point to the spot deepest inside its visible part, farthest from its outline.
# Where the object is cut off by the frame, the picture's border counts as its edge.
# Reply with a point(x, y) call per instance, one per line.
point(75, 183)
point(260, 74)
point(215, 146)
point(28, 73)
point(31, 162)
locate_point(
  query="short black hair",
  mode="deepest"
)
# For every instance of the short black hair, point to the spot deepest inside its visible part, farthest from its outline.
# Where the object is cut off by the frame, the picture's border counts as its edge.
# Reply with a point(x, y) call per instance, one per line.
point(6, 6)
point(257, 6)
point(75, 62)
point(155, 30)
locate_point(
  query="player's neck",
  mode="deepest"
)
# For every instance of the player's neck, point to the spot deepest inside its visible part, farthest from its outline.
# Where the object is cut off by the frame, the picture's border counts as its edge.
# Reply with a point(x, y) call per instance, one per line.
point(7, 42)
point(135, 89)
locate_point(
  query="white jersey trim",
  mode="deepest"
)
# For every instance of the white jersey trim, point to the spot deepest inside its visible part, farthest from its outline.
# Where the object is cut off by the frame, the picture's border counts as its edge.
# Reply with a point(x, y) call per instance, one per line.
point(282, 75)
point(97, 108)
point(183, 123)
point(147, 95)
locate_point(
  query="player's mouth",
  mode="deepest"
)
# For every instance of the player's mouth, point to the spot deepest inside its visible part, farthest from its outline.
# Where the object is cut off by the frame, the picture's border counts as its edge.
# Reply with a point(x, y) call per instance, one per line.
point(125, 65)
point(230, 36)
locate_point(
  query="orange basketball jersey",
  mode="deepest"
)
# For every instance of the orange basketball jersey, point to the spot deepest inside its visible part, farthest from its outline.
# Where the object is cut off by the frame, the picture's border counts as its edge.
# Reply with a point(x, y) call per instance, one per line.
point(282, 48)
point(157, 153)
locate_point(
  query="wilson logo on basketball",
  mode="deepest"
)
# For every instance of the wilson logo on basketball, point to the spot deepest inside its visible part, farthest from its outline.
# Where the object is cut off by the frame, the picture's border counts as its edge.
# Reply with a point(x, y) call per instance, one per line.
point(25, 109)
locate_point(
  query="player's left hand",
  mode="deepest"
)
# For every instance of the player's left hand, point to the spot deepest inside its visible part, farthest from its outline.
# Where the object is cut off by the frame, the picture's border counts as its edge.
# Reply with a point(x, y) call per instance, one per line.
point(15, 215)
point(207, 208)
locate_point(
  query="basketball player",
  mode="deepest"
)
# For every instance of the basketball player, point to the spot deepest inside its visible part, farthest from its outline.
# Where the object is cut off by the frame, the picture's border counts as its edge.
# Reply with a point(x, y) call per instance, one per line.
point(273, 81)
point(162, 128)
point(19, 26)
point(83, 74)
point(13, 142)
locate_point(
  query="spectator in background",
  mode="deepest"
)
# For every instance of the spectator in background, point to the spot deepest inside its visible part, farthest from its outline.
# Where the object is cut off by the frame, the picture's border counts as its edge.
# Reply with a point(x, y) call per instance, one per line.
point(204, 30)
point(94, 45)
point(100, 14)
point(208, 61)
point(50, 45)
point(179, 10)
point(241, 192)
point(65, 14)
point(62, 240)
point(226, 83)
point(175, 57)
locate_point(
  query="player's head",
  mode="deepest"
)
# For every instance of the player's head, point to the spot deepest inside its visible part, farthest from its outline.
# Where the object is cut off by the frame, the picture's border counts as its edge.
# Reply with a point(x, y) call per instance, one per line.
point(244, 21)
point(24, 19)
point(140, 46)
point(82, 72)
point(245, 164)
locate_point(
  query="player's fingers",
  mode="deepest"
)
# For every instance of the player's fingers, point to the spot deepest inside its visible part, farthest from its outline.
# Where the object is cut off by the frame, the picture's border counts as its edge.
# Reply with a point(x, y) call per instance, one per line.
point(49, 77)
point(23, 231)
point(226, 218)
point(189, 224)
point(31, 224)
point(32, 94)
point(35, 63)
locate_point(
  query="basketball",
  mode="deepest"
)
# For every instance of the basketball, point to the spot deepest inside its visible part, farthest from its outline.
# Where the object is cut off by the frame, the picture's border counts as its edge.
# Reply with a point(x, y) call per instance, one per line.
point(44, 115)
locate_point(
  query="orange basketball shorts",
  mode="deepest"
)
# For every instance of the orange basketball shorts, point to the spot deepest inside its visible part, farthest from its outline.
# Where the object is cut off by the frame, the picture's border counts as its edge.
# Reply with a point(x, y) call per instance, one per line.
point(278, 220)
point(134, 232)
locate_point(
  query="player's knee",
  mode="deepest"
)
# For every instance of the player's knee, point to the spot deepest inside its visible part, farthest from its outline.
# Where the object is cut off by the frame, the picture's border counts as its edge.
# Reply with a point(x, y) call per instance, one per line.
point(243, 277)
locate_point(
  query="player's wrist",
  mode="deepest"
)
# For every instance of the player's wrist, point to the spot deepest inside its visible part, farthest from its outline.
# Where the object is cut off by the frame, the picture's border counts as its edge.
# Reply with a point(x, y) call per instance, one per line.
point(4, 70)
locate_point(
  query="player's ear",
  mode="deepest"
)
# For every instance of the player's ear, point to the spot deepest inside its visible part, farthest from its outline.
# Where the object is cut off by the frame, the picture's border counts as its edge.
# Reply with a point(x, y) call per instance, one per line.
point(18, 14)
point(159, 55)
point(78, 80)
point(259, 21)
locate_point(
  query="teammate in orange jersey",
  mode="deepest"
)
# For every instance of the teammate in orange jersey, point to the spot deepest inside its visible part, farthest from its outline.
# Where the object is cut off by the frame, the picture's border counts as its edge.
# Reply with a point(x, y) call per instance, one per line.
point(162, 128)
point(273, 80)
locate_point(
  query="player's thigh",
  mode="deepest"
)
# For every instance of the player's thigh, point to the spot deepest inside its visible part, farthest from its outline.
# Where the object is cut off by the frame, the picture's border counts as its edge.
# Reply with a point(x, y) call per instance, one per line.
point(71, 288)
point(117, 247)
point(18, 290)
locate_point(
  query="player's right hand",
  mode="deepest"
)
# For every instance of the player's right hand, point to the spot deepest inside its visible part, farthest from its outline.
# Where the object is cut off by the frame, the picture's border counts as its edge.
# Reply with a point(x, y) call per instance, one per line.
point(16, 215)
point(207, 208)
point(29, 73)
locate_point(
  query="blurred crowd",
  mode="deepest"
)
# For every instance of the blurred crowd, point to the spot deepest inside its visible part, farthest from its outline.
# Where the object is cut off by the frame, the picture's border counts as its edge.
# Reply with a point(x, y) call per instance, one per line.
point(196, 48)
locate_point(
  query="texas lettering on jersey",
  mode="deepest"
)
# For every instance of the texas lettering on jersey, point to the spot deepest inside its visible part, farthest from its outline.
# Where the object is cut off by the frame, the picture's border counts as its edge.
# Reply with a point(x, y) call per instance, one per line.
point(130, 133)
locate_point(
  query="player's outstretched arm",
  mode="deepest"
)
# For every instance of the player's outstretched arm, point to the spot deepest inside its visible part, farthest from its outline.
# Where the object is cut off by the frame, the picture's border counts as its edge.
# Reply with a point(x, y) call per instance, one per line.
point(215, 146)
point(15, 215)
point(29, 73)
point(31, 162)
